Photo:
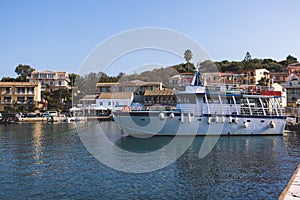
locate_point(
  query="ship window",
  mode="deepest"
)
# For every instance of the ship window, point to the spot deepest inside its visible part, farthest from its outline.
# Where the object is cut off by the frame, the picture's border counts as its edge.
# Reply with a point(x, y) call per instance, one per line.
point(187, 99)
point(262, 121)
point(213, 99)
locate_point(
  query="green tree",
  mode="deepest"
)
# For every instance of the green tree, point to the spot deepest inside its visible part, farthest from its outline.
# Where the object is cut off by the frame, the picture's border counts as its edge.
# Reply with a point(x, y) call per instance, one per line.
point(188, 55)
point(23, 71)
point(73, 78)
point(290, 59)
point(8, 79)
point(247, 57)
point(58, 100)
point(264, 81)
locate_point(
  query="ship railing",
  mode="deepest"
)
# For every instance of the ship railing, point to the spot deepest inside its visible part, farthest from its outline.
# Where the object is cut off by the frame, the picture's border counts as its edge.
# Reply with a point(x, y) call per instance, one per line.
point(262, 111)
point(231, 109)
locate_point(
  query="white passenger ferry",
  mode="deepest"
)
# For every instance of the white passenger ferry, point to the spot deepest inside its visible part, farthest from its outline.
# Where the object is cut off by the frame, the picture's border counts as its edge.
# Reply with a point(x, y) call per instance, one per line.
point(209, 110)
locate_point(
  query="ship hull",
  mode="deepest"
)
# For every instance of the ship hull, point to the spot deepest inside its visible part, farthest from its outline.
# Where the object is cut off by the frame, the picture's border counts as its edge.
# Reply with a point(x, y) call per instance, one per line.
point(150, 124)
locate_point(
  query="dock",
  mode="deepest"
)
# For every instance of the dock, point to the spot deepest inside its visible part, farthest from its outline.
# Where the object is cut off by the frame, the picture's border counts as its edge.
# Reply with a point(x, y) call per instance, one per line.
point(292, 190)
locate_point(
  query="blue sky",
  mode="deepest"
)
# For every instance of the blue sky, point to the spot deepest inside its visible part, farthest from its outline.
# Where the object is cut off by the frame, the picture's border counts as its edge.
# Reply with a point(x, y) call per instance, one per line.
point(59, 35)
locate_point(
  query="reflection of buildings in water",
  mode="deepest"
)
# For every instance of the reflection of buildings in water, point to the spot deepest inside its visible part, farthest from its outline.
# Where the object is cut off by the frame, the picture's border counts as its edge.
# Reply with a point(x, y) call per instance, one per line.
point(37, 143)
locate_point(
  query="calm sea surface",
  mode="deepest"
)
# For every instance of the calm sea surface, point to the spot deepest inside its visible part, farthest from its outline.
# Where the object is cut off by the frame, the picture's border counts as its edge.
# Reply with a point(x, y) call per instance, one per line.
point(47, 161)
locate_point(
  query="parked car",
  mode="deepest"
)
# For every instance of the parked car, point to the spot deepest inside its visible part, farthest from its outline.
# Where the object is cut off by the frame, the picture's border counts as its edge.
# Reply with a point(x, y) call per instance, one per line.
point(46, 115)
point(29, 115)
point(51, 113)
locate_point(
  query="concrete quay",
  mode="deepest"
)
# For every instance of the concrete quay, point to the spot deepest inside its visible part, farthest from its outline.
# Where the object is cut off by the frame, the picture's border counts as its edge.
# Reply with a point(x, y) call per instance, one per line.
point(292, 190)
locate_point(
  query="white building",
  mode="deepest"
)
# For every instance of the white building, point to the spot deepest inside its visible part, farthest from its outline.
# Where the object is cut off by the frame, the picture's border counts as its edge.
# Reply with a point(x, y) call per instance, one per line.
point(114, 100)
point(50, 80)
point(283, 99)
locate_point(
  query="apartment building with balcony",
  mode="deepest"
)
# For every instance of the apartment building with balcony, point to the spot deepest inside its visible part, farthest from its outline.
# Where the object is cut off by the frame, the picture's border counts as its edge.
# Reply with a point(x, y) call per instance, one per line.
point(278, 77)
point(292, 85)
point(50, 80)
point(19, 95)
point(293, 68)
point(249, 77)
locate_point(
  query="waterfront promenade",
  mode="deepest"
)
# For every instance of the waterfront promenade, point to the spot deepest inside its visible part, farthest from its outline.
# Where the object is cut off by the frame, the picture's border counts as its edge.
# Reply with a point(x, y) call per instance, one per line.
point(292, 190)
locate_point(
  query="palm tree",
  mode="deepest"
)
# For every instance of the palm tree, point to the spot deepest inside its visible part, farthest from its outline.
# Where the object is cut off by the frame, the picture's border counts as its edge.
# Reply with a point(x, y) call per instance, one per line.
point(72, 78)
point(188, 56)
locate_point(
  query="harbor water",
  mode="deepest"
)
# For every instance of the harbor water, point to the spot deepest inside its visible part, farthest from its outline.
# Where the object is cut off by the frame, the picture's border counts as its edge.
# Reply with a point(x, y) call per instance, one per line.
point(49, 161)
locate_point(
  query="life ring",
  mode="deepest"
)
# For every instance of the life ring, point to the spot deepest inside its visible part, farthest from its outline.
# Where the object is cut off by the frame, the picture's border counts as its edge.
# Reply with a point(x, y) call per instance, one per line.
point(126, 109)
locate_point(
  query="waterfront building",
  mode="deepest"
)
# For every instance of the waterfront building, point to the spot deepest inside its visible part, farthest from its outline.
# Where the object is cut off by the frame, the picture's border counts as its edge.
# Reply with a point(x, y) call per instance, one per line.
point(50, 80)
point(19, 96)
point(250, 77)
point(114, 100)
point(87, 100)
point(246, 77)
point(293, 68)
point(181, 80)
point(278, 77)
point(136, 86)
point(163, 97)
point(292, 85)
point(283, 93)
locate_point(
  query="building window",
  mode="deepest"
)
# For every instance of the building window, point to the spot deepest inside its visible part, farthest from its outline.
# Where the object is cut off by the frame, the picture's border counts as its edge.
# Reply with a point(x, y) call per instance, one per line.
point(30, 99)
point(7, 99)
point(36, 76)
point(50, 75)
point(30, 90)
point(43, 75)
point(101, 90)
point(101, 103)
point(7, 90)
point(21, 99)
point(59, 83)
point(107, 89)
point(21, 90)
point(151, 88)
point(109, 103)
